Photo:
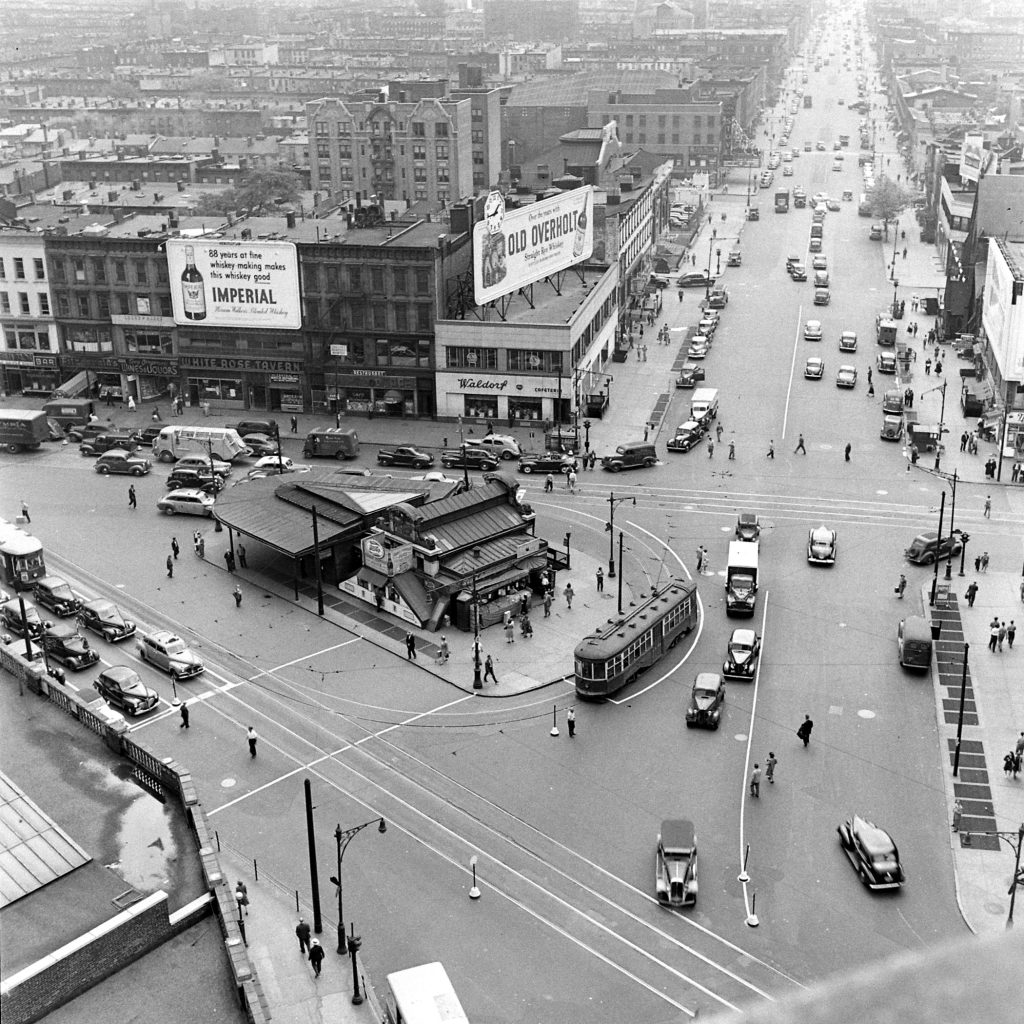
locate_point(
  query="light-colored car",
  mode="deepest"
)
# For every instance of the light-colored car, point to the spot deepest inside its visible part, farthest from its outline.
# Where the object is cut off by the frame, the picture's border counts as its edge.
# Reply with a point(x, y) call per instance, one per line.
point(822, 296)
point(119, 461)
point(195, 461)
point(698, 348)
point(833, 205)
point(821, 546)
point(273, 462)
point(501, 446)
point(187, 501)
point(846, 377)
point(787, 171)
point(814, 368)
point(169, 653)
point(819, 262)
point(848, 341)
point(812, 330)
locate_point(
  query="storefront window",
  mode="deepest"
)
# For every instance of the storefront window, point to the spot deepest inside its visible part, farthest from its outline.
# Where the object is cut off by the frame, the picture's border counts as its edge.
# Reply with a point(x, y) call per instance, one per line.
point(30, 338)
point(481, 407)
point(534, 361)
point(151, 344)
point(525, 408)
point(215, 389)
point(357, 399)
point(459, 357)
point(89, 339)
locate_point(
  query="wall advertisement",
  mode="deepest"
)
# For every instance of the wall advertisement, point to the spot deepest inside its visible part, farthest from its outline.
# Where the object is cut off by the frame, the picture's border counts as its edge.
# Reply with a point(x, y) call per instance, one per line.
point(514, 248)
point(972, 153)
point(218, 283)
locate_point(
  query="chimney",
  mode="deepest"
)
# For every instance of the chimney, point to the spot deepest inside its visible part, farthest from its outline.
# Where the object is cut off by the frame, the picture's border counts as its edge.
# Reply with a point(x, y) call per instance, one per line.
point(290, 218)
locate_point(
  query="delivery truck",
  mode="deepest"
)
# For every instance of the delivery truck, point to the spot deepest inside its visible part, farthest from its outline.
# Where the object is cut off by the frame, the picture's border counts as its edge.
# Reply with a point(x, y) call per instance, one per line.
point(741, 578)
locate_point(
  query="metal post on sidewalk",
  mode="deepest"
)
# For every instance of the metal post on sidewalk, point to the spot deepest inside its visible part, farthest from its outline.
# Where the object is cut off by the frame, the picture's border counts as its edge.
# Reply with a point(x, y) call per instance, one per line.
point(938, 543)
point(620, 572)
point(314, 878)
point(960, 715)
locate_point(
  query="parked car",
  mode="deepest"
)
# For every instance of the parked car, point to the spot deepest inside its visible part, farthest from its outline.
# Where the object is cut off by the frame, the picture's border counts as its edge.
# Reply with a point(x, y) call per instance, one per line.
point(675, 871)
point(106, 442)
point(169, 653)
point(872, 853)
point(742, 655)
point(122, 687)
point(10, 620)
point(149, 434)
point(546, 462)
point(822, 296)
point(698, 348)
point(634, 455)
point(105, 619)
point(117, 460)
point(260, 445)
point(820, 262)
point(812, 330)
point(469, 458)
point(56, 594)
point(798, 272)
point(188, 501)
point(501, 446)
point(405, 455)
point(695, 279)
point(719, 298)
point(885, 362)
point(690, 375)
point(706, 700)
point(204, 462)
point(748, 526)
point(814, 368)
point(69, 647)
point(83, 431)
point(892, 428)
point(821, 546)
point(833, 205)
point(267, 427)
point(846, 377)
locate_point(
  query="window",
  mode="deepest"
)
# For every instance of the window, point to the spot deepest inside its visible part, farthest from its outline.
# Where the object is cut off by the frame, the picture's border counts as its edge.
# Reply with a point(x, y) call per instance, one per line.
point(641, 121)
point(357, 312)
point(23, 303)
point(311, 277)
point(440, 131)
point(442, 150)
point(478, 158)
point(148, 343)
point(83, 305)
point(99, 271)
point(534, 361)
point(19, 268)
point(345, 151)
point(419, 151)
point(661, 138)
point(79, 266)
point(141, 272)
point(161, 272)
point(143, 307)
point(355, 278)
point(460, 357)
point(63, 304)
point(419, 174)
point(3, 270)
point(422, 282)
point(400, 277)
point(58, 270)
point(103, 303)
point(443, 174)
point(323, 150)
point(419, 130)
point(401, 318)
point(44, 305)
point(378, 317)
point(31, 337)
point(5, 302)
point(477, 136)
point(377, 278)
point(120, 272)
point(661, 120)
point(345, 172)
point(443, 196)
point(321, 127)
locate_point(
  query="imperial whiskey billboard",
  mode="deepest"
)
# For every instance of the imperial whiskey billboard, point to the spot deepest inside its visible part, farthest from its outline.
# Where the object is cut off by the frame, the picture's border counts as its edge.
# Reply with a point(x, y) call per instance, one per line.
point(217, 283)
point(514, 248)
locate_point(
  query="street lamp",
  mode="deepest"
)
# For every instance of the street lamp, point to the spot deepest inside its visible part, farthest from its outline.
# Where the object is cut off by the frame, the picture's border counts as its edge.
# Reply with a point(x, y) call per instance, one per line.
point(707, 281)
point(478, 683)
point(895, 285)
point(1018, 875)
point(610, 530)
point(718, 262)
point(895, 238)
point(586, 431)
point(952, 520)
point(343, 837)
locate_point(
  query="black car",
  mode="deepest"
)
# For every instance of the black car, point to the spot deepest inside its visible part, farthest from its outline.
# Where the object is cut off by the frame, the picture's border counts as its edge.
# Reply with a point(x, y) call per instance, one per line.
point(70, 648)
point(81, 431)
point(148, 435)
point(260, 445)
point(122, 687)
point(56, 594)
point(10, 620)
point(196, 479)
point(122, 440)
point(695, 279)
point(105, 619)
point(872, 853)
point(706, 701)
point(748, 526)
point(405, 455)
point(690, 376)
point(546, 462)
point(688, 435)
point(119, 461)
point(472, 458)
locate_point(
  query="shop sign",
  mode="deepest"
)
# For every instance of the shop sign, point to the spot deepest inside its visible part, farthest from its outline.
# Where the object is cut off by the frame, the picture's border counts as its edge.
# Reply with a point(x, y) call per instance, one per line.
point(482, 384)
point(529, 547)
point(228, 363)
point(149, 368)
point(380, 379)
point(284, 378)
point(142, 321)
point(388, 557)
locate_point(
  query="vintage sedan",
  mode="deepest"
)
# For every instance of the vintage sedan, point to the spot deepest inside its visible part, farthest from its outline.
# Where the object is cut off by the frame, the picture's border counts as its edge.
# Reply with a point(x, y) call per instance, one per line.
point(885, 362)
point(820, 262)
point(695, 279)
point(11, 621)
point(167, 651)
point(848, 341)
point(204, 462)
point(187, 501)
point(469, 458)
point(699, 348)
point(872, 853)
point(56, 594)
point(690, 375)
point(122, 687)
point(846, 377)
point(675, 872)
point(833, 205)
point(814, 368)
point(822, 296)
point(706, 701)
point(688, 435)
point(812, 330)
point(260, 445)
point(105, 619)
point(546, 462)
point(68, 646)
point(742, 655)
point(821, 546)
point(748, 526)
point(798, 272)
point(405, 455)
point(118, 461)
point(274, 464)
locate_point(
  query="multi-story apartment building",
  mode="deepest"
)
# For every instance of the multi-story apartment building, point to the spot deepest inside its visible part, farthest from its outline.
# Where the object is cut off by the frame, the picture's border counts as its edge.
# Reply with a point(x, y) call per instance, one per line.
point(379, 149)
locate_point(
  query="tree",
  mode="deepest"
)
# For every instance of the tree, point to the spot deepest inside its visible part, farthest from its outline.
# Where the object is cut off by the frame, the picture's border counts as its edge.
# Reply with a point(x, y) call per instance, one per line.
point(217, 204)
point(888, 199)
point(268, 188)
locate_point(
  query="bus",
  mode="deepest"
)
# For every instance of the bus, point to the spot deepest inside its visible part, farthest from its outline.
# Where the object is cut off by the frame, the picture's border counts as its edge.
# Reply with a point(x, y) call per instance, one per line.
point(21, 557)
point(23, 430)
point(222, 442)
point(782, 200)
point(619, 651)
point(423, 995)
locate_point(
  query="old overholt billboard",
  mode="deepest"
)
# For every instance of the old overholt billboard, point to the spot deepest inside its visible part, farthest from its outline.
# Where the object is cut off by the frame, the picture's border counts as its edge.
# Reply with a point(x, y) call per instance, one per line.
point(217, 283)
point(514, 248)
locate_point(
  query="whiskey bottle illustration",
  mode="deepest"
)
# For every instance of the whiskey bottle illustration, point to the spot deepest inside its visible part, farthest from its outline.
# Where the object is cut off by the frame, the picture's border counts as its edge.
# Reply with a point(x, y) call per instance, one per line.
point(580, 238)
point(192, 292)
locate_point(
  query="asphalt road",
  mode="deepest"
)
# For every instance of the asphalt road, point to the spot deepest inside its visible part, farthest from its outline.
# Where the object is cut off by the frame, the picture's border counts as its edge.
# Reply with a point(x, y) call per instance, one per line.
point(567, 928)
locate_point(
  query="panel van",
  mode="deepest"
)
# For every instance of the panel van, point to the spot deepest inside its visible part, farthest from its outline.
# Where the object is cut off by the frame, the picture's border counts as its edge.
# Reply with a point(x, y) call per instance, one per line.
point(914, 643)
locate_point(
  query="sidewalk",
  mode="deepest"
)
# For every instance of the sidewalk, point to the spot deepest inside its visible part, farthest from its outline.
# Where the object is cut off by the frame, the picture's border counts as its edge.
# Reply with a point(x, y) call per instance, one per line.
point(993, 721)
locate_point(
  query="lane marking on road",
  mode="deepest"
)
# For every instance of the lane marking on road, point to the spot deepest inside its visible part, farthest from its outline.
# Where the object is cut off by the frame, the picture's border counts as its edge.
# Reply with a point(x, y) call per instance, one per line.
point(792, 369)
point(304, 657)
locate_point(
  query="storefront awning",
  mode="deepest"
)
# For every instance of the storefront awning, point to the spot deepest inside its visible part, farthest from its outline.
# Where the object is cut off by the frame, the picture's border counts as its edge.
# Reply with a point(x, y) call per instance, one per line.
point(374, 578)
point(393, 397)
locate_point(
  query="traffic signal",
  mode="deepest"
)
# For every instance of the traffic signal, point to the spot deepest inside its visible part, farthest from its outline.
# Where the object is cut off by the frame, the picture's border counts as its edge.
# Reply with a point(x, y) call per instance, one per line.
point(355, 943)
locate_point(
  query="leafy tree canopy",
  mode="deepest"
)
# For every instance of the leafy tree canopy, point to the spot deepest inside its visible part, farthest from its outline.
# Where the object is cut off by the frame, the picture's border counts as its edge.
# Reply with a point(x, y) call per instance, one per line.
point(260, 190)
point(888, 199)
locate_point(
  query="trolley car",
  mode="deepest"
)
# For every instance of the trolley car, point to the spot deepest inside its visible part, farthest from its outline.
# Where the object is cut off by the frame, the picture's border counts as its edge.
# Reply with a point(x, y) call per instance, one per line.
point(21, 557)
point(620, 650)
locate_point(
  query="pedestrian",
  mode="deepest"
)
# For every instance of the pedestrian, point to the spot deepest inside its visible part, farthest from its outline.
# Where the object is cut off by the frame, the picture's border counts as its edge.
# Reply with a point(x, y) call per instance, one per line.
point(131, 404)
point(489, 670)
point(869, 374)
point(700, 559)
point(600, 580)
point(170, 567)
point(769, 767)
point(24, 513)
point(1001, 635)
point(202, 547)
point(570, 721)
point(251, 736)
point(229, 560)
point(237, 594)
point(1019, 748)
point(443, 651)
point(804, 732)
point(1011, 634)
point(526, 626)
point(771, 450)
point(964, 438)
point(241, 556)
point(800, 445)
point(510, 632)
point(549, 484)
point(569, 595)
point(871, 388)
point(1008, 762)
point(938, 367)
point(732, 451)
point(547, 604)
point(570, 478)
point(718, 432)
point(849, 448)
point(316, 956)
point(680, 294)
point(711, 447)
point(901, 586)
point(242, 898)
point(972, 593)
point(904, 248)
point(410, 647)
point(988, 506)
point(175, 549)
point(928, 365)
point(302, 933)
point(156, 413)
point(984, 561)
point(295, 424)
point(184, 717)
point(647, 430)
point(755, 781)
point(977, 563)
point(993, 635)
point(132, 503)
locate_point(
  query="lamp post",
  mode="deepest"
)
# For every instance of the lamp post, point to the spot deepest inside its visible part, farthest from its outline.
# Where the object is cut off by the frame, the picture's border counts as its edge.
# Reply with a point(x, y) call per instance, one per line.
point(620, 573)
point(718, 262)
point(586, 431)
point(938, 542)
point(895, 285)
point(610, 530)
point(478, 683)
point(964, 538)
point(952, 519)
point(343, 837)
point(895, 238)
point(707, 281)
point(1017, 879)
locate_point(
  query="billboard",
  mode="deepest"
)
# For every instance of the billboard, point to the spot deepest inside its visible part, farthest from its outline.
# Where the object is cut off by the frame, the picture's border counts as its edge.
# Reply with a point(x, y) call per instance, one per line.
point(972, 155)
point(515, 248)
point(218, 283)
